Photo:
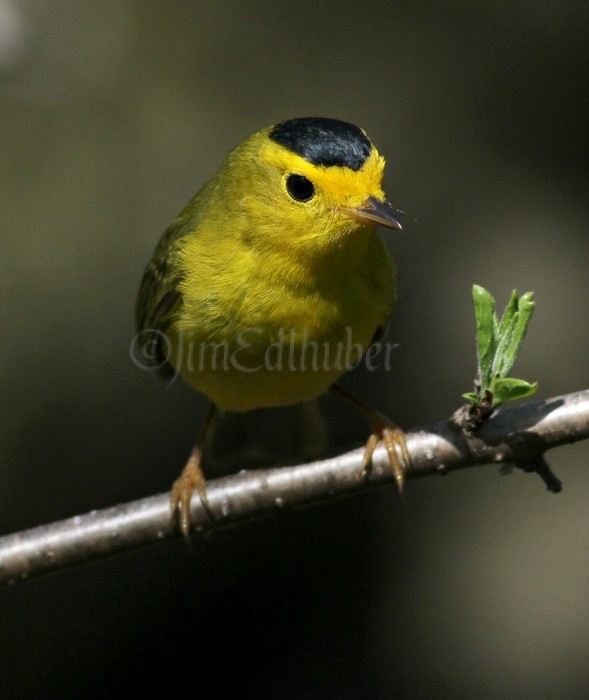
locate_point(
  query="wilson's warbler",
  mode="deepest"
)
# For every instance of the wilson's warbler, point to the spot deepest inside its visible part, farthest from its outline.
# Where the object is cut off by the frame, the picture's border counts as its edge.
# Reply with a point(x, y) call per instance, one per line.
point(272, 281)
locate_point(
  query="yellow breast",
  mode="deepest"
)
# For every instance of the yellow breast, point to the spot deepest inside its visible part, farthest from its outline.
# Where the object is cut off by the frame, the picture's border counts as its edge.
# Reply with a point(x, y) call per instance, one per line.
point(259, 330)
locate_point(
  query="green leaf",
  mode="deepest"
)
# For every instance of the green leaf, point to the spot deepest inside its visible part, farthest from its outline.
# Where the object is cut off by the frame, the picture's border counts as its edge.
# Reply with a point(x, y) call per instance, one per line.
point(504, 336)
point(486, 323)
point(509, 389)
point(474, 398)
point(509, 313)
point(505, 353)
point(515, 330)
point(525, 312)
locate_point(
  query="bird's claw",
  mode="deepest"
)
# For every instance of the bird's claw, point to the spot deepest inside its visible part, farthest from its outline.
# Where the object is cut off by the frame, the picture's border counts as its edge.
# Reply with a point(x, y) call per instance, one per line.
point(395, 444)
point(191, 478)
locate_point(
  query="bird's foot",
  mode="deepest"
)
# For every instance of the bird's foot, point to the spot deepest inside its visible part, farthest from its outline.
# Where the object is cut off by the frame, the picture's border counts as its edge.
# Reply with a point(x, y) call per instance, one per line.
point(395, 444)
point(191, 478)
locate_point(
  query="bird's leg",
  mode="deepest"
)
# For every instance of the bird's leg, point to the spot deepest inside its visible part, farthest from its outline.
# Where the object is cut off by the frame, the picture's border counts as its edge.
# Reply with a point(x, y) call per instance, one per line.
point(191, 478)
point(383, 429)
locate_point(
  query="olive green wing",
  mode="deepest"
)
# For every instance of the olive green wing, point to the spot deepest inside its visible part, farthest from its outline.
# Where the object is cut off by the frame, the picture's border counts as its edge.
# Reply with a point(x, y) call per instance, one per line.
point(158, 299)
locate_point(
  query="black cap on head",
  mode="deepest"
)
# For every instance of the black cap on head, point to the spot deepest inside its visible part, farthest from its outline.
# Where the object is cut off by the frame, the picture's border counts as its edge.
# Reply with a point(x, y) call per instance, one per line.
point(324, 141)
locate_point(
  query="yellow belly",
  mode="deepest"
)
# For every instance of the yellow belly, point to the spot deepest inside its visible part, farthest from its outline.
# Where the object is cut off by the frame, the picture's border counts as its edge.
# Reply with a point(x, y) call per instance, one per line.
point(259, 368)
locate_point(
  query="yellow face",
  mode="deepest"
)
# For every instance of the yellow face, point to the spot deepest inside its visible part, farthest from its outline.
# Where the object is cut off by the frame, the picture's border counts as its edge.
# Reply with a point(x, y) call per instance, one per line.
point(293, 202)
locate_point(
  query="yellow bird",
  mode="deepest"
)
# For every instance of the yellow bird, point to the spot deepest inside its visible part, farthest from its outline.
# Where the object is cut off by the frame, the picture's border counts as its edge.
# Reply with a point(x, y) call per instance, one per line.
point(272, 281)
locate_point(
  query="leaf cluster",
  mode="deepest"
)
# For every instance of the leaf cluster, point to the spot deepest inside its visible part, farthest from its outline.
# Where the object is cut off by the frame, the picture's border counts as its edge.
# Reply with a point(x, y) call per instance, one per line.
point(498, 345)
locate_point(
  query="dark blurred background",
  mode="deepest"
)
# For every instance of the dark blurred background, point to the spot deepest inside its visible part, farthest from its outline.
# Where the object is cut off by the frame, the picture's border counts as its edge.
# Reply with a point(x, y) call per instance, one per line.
point(113, 114)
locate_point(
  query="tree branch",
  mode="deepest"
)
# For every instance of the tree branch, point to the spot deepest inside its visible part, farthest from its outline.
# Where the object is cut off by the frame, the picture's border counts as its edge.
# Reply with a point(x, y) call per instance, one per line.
point(518, 436)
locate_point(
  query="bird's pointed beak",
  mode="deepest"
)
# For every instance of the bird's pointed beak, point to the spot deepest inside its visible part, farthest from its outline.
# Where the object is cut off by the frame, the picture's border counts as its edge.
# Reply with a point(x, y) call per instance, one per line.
point(375, 211)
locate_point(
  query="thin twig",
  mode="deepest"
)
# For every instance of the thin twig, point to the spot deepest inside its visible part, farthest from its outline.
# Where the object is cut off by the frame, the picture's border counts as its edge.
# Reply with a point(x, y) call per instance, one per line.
point(512, 435)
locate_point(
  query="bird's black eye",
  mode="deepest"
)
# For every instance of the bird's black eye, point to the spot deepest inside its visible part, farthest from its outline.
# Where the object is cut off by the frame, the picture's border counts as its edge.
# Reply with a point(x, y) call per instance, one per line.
point(300, 188)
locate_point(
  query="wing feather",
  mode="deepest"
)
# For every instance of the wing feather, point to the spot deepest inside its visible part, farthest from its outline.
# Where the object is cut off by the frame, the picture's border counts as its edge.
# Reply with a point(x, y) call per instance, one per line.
point(159, 296)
